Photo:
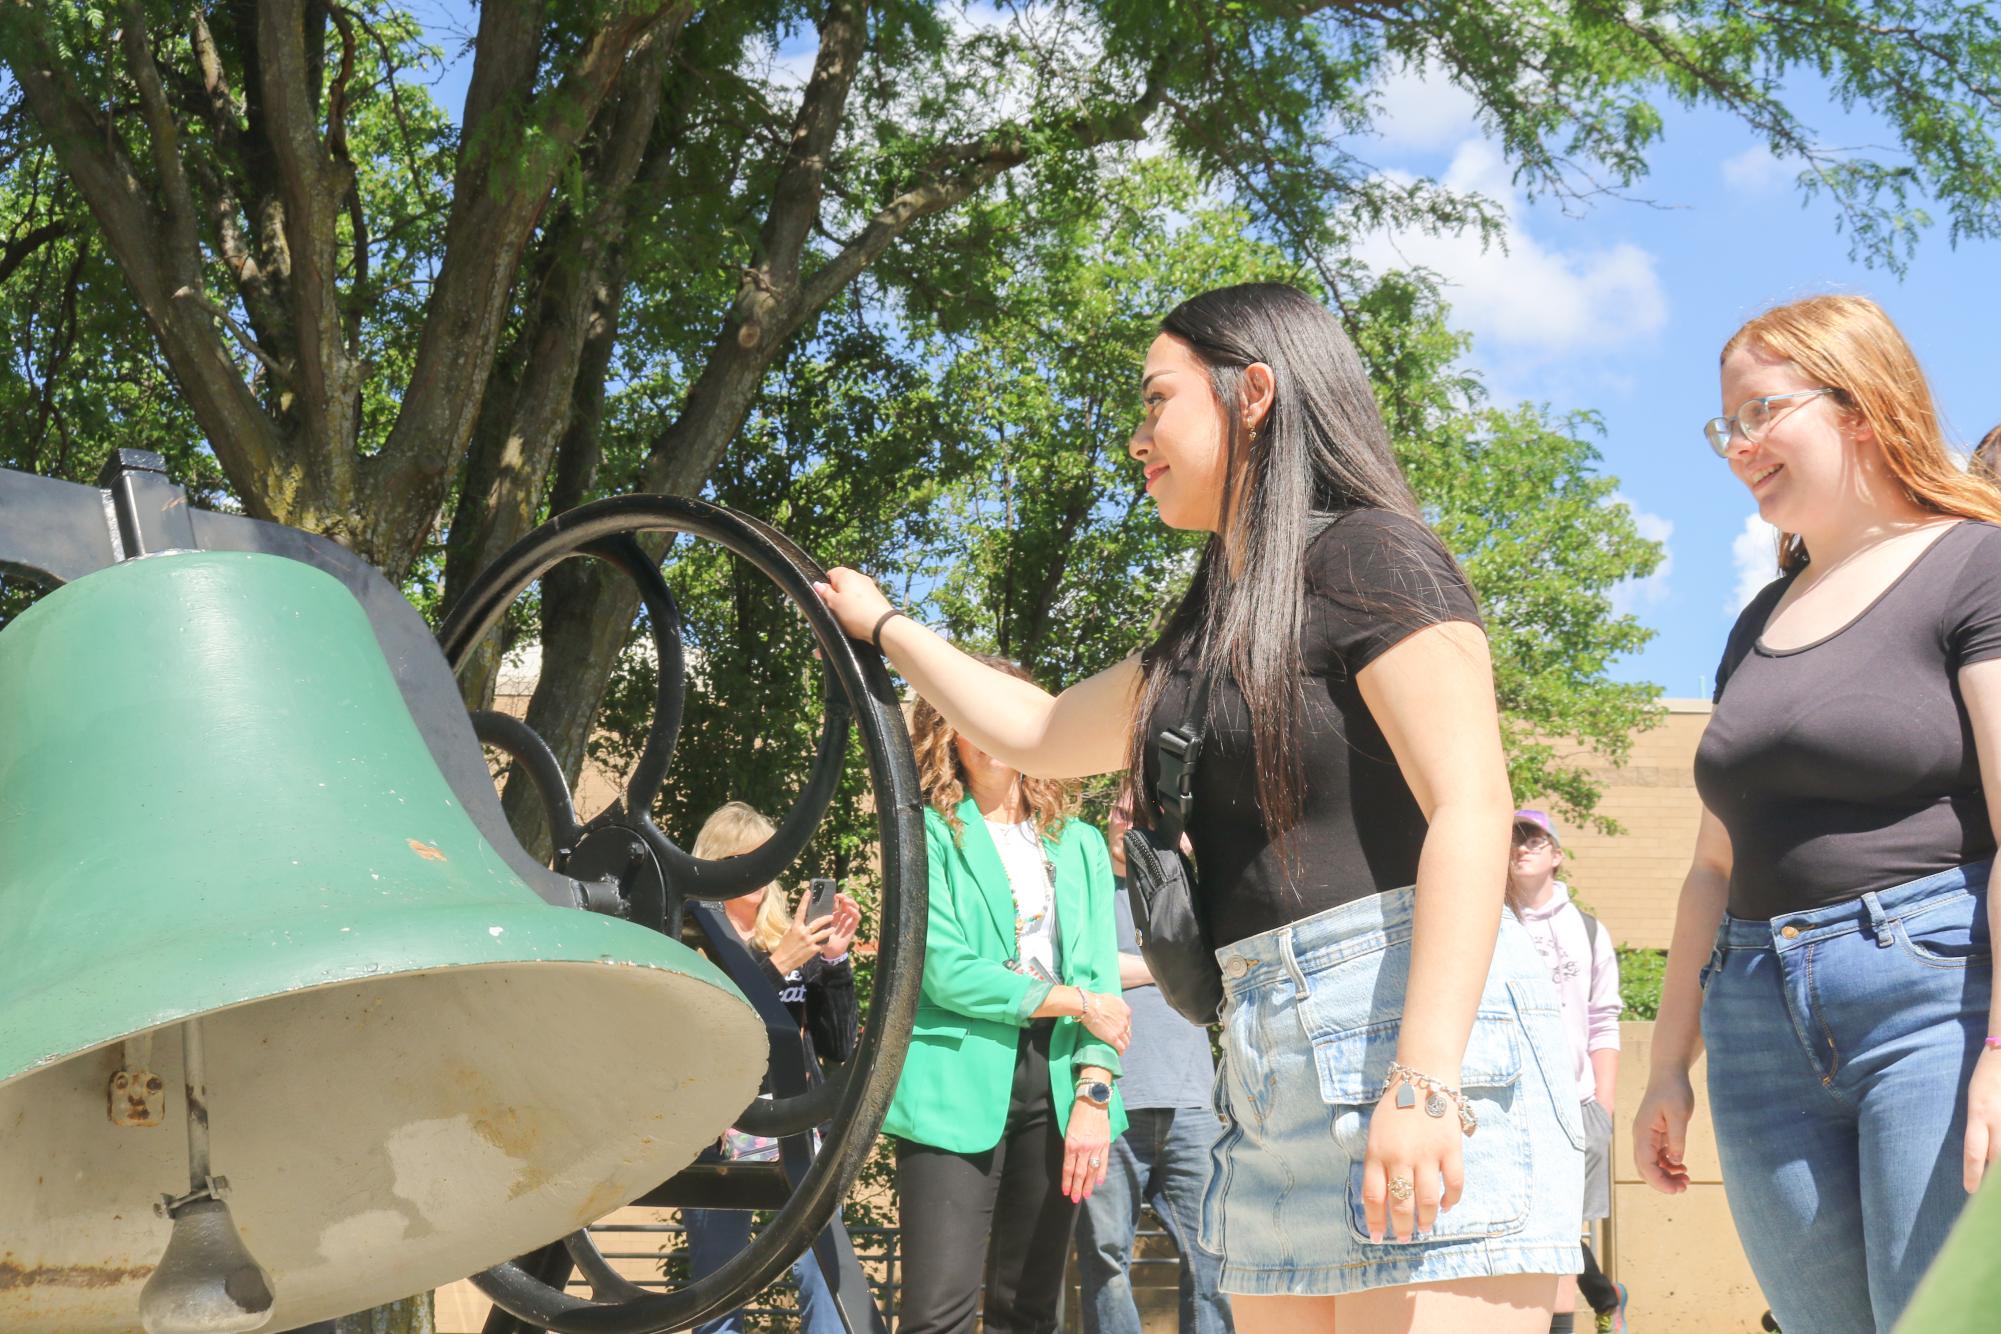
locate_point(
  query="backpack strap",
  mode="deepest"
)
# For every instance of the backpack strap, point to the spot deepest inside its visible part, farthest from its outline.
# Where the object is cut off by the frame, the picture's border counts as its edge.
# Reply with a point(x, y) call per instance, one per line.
point(1176, 752)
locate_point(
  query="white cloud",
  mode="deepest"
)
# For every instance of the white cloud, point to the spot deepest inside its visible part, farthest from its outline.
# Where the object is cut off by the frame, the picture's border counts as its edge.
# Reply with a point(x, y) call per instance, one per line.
point(1423, 110)
point(1756, 170)
point(1525, 300)
point(1630, 595)
point(1754, 553)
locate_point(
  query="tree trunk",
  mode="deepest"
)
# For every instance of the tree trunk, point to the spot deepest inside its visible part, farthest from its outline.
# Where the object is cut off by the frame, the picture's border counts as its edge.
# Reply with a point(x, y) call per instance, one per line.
point(558, 359)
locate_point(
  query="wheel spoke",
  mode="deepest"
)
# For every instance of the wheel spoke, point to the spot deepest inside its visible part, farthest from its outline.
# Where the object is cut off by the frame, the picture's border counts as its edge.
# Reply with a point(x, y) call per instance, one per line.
point(663, 616)
point(692, 877)
point(525, 746)
point(607, 1284)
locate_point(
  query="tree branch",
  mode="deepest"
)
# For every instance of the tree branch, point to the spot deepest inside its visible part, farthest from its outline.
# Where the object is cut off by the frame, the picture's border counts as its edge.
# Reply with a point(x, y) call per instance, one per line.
point(88, 146)
point(1034, 618)
point(337, 146)
point(770, 282)
point(527, 143)
point(326, 378)
point(271, 365)
point(235, 190)
point(64, 343)
point(529, 397)
point(17, 250)
point(683, 455)
point(164, 138)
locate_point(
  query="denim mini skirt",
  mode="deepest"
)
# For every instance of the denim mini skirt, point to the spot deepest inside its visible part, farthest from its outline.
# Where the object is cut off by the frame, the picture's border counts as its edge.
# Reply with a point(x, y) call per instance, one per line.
point(1311, 1014)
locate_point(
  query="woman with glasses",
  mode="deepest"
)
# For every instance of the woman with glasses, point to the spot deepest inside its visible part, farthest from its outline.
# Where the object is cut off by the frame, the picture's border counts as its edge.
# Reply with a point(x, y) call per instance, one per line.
point(1831, 949)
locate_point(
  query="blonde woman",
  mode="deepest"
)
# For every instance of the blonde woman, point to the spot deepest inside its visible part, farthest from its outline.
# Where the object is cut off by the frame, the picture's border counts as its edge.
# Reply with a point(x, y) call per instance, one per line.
point(1839, 886)
point(807, 964)
point(1005, 1114)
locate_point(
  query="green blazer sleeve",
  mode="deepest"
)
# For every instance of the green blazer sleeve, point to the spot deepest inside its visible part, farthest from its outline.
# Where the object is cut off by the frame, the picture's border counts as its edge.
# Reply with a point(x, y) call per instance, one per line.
point(957, 976)
point(1096, 967)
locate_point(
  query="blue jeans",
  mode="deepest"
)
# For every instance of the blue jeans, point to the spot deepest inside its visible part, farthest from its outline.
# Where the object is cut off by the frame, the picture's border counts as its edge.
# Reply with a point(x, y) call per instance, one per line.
point(1162, 1160)
point(1840, 1041)
point(716, 1235)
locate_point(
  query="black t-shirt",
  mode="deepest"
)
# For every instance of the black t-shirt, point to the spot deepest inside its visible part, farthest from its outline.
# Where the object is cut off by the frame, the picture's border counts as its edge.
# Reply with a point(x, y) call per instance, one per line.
point(821, 997)
point(1848, 764)
point(1372, 578)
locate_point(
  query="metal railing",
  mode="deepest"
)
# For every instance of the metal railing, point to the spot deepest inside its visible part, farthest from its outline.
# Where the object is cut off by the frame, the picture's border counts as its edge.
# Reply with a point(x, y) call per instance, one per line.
point(879, 1249)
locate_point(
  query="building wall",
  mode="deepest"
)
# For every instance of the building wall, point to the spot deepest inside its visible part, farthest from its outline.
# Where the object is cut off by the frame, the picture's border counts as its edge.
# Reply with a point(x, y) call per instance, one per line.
point(1679, 1255)
point(1631, 880)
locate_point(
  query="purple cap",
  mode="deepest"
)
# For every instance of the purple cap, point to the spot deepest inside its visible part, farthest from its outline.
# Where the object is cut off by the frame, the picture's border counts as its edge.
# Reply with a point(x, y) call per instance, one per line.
point(1540, 821)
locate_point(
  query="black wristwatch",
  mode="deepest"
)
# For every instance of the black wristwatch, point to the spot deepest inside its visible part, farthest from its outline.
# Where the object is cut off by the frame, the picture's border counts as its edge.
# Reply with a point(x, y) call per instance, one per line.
point(1095, 1091)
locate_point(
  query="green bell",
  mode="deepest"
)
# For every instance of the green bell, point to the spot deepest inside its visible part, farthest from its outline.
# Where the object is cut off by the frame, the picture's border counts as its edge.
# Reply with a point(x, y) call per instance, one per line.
point(221, 833)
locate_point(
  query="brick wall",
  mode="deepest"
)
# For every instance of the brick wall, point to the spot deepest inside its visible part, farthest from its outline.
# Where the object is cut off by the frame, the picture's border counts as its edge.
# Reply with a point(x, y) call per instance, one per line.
point(1631, 880)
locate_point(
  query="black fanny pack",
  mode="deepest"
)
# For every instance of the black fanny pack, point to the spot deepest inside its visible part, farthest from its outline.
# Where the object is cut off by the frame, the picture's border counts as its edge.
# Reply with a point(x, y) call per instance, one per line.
point(1160, 880)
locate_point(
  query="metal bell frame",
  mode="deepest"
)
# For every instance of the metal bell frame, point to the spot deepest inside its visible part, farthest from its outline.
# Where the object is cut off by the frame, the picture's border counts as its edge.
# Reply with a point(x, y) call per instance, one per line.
point(618, 863)
point(661, 884)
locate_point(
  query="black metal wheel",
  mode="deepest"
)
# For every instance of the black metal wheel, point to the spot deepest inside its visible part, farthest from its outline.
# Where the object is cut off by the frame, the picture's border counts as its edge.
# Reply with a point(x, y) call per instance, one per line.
point(628, 865)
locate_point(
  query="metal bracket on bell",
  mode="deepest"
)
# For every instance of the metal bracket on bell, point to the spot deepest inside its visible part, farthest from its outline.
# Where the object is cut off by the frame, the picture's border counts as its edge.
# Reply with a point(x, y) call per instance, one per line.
point(211, 1188)
point(138, 1097)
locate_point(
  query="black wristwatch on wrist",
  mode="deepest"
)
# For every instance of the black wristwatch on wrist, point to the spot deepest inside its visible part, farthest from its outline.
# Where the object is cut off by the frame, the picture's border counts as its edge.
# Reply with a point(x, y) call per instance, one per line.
point(1096, 1092)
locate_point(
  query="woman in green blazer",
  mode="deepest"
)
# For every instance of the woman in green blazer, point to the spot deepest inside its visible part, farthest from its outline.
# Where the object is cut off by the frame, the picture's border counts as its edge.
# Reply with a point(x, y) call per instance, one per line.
point(1007, 1108)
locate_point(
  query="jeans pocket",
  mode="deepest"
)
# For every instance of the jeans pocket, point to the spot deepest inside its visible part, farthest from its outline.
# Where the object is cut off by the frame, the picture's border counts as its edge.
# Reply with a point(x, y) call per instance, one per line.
point(1947, 933)
point(1352, 1067)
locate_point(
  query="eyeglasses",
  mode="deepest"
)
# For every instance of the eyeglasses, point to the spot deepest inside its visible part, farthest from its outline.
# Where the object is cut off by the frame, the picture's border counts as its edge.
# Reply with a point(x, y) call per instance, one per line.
point(1751, 419)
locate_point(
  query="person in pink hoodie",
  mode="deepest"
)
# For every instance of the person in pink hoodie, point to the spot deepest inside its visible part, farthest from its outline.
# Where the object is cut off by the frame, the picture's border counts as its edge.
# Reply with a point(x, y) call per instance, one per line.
point(1578, 953)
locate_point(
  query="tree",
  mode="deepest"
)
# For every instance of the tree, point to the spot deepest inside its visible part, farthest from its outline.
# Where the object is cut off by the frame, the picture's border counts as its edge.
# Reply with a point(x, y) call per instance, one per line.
point(375, 322)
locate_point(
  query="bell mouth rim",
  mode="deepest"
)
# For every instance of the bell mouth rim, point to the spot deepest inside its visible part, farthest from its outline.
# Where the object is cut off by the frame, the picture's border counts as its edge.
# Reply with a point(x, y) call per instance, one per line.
point(452, 938)
point(473, 1115)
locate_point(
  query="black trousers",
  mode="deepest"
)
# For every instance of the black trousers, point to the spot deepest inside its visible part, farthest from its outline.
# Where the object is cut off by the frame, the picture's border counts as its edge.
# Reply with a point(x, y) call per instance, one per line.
point(998, 1217)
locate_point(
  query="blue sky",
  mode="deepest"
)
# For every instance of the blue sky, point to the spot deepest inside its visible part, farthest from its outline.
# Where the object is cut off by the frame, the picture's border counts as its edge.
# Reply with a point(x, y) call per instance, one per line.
point(1622, 308)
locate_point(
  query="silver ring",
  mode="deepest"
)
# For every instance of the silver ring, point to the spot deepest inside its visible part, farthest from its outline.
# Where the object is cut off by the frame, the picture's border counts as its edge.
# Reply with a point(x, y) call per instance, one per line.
point(1092, 1161)
point(1401, 1189)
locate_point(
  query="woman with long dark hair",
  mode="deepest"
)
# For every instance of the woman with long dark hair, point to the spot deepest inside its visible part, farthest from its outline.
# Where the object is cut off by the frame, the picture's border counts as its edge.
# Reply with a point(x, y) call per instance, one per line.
point(1005, 1113)
point(1399, 1144)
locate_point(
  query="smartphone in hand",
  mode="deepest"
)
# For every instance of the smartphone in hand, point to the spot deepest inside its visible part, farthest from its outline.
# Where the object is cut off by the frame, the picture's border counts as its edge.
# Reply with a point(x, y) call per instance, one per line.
point(821, 902)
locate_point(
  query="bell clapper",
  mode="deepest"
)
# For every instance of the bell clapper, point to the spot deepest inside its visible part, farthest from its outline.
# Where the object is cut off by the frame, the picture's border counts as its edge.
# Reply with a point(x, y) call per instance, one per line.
point(207, 1282)
point(201, 1184)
